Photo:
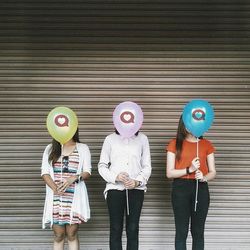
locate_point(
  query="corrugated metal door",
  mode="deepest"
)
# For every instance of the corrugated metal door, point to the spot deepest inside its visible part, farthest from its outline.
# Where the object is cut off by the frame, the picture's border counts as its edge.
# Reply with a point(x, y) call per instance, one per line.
point(92, 55)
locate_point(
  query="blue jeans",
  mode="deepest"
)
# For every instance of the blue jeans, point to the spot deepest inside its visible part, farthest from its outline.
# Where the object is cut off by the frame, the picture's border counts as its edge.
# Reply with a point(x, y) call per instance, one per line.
point(183, 201)
point(117, 206)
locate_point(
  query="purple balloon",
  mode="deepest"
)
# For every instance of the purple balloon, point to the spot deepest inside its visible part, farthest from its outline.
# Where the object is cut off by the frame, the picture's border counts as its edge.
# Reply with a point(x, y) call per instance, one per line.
point(127, 118)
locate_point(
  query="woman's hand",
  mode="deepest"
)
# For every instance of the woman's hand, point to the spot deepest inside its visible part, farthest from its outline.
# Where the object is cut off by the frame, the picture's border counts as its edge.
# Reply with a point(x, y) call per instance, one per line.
point(195, 165)
point(122, 177)
point(199, 175)
point(65, 184)
point(130, 184)
point(127, 182)
point(55, 190)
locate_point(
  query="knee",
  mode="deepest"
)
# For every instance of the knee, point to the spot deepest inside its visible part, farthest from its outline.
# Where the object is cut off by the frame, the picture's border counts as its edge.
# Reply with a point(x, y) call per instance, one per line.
point(181, 233)
point(71, 236)
point(115, 227)
point(133, 229)
point(58, 237)
point(197, 234)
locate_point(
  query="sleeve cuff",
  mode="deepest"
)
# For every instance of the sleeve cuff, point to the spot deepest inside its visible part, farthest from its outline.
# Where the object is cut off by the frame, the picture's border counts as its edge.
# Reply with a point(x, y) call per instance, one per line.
point(142, 180)
point(113, 178)
point(45, 171)
point(87, 171)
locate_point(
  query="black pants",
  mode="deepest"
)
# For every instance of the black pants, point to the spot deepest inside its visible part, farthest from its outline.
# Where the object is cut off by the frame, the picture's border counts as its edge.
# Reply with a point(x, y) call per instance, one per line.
point(183, 201)
point(116, 201)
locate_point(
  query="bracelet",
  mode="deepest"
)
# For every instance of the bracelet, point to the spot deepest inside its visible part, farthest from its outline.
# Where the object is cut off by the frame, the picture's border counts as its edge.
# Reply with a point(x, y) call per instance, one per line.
point(79, 178)
point(187, 171)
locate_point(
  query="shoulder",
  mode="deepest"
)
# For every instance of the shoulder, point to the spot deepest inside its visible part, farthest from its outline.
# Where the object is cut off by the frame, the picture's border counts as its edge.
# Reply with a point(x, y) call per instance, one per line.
point(171, 146)
point(142, 136)
point(82, 146)
point(206, 142)
point(208, 146)
point(48, 148)
point(111, 137)
point(172, 142)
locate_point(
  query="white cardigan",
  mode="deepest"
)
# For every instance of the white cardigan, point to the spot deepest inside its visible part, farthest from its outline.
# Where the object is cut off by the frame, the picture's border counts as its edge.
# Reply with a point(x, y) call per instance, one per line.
point(80, 203)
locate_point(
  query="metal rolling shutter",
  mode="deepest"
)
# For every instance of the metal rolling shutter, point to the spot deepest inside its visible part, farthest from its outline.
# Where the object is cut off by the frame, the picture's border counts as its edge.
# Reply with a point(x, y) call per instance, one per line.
point(92, 55)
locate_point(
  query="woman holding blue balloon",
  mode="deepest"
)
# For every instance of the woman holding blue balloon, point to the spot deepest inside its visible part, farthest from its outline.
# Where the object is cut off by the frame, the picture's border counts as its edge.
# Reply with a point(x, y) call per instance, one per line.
point(125, 165)
point(191, 163)
point(66, 165)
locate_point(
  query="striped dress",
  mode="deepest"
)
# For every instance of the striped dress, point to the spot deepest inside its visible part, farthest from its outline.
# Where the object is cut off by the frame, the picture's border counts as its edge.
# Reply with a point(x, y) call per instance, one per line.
point(62, 204)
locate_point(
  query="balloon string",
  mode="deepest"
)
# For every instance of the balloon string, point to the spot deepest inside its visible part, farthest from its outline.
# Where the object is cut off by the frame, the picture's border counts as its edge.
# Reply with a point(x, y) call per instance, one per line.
point(127, 201)
point(61, 160)
point(61, 210)
point(197, 181)
point(197, 147)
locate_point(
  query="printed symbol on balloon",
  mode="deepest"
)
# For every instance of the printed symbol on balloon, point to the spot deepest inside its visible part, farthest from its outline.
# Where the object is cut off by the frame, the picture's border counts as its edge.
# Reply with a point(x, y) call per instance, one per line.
point(198, 115)
point(62, 121)
point(127, 117)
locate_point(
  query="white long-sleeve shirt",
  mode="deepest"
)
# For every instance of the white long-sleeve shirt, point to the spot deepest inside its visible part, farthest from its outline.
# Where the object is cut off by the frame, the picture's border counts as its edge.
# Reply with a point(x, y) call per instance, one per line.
point(130, 155)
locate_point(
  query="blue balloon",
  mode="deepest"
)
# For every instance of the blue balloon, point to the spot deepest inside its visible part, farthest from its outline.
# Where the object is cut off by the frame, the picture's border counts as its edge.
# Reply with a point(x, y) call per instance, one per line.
point(198, 116)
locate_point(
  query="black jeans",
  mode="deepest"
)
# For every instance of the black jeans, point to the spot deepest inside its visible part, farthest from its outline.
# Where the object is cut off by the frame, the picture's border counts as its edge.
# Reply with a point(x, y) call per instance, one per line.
point(183, 201)
point(116, 201)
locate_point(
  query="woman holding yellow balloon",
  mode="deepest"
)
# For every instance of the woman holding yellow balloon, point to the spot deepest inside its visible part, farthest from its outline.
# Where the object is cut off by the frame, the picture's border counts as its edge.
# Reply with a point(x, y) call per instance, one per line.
point(66, 165)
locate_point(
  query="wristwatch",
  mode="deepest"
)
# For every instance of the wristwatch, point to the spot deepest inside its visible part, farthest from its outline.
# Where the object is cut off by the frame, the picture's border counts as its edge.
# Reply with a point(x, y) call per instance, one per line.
point(79, 178)
point(139, 184)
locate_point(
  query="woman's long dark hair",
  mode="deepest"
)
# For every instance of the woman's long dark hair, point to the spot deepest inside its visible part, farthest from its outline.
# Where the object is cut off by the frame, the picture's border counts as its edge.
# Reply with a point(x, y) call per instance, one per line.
point(56, 149)
point(180, 137)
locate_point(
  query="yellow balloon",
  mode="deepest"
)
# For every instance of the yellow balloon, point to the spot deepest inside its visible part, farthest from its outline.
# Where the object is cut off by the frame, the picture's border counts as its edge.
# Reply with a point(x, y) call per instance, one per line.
point(62, 124)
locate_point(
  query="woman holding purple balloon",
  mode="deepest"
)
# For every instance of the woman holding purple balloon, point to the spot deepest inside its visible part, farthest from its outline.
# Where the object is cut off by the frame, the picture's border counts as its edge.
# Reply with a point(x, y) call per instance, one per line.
point(191, 163)
point(125, 165)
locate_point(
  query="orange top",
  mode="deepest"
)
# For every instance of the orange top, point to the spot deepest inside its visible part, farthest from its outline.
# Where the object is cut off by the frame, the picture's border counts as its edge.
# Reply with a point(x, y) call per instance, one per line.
point(189, 152)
